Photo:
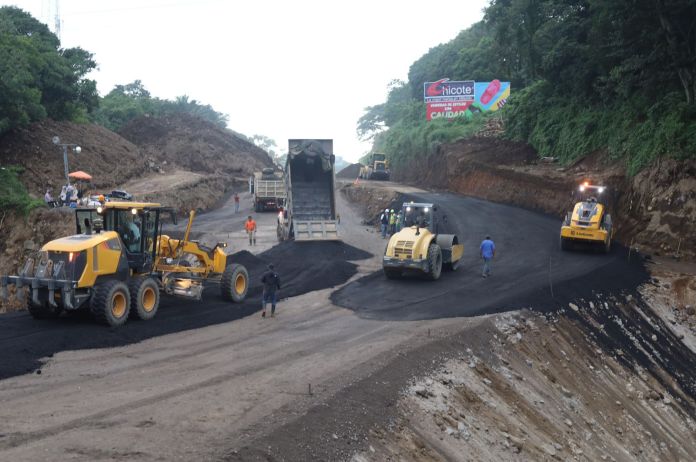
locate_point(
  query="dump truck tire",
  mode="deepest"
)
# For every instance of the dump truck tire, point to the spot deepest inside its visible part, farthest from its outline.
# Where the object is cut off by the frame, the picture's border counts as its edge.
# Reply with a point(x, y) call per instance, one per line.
point(434, 262)
point(234, 284)
point(110, 303)
point(392, 273)
point(145, 297)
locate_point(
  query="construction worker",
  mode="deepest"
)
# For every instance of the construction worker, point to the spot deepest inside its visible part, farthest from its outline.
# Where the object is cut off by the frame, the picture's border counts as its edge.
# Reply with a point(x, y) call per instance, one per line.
point(384, 222)
point(399, 221)
point(250, 227)
point(271, 285)
point(236, 203)
point(392, 222)
point(487, 254)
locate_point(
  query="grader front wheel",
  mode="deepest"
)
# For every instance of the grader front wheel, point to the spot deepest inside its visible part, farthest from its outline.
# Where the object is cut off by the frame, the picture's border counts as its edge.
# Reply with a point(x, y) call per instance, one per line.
point(145, 297)
point(235, 283)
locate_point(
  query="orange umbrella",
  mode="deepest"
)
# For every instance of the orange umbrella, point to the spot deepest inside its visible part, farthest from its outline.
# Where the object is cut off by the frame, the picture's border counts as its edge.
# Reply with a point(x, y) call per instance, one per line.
point(80, 175)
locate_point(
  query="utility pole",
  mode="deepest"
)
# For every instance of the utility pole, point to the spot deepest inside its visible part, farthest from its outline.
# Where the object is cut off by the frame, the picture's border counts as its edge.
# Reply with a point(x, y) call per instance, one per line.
point(75, 148)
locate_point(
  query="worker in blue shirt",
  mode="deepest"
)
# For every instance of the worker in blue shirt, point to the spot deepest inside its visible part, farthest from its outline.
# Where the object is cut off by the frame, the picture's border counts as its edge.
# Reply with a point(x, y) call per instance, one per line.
point(487, 253)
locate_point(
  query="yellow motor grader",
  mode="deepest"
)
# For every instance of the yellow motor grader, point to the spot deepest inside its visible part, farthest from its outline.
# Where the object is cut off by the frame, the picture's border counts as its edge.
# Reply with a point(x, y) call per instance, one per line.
point(589, 223)
point(419, 247)
point(118, 263)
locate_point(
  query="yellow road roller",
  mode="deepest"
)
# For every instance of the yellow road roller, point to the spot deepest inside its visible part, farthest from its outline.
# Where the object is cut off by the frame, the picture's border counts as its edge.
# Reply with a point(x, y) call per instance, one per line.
point(589, 223)
point(419, 247)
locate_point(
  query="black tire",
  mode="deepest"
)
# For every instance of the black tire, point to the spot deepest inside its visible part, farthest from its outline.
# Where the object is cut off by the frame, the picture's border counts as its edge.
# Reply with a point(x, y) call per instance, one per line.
point(434, 262)
point(145, 297)
point(392, 273)
point(234, 284)
point(43, 311)
point(110, 303)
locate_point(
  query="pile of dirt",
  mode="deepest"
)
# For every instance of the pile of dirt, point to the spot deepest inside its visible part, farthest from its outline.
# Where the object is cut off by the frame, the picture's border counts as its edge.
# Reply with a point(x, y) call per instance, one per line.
point(194, 144)
point(109, 158)
point(351, 172)
point(370, 201)
point(303, 266)
point(655, 210)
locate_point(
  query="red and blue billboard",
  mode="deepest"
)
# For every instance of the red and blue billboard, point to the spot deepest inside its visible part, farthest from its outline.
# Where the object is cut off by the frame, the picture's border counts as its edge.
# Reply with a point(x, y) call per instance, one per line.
point(449, 99)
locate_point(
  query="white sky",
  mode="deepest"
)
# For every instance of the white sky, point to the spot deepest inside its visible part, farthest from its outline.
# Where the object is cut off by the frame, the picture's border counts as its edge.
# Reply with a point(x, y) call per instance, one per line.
point(284, 69)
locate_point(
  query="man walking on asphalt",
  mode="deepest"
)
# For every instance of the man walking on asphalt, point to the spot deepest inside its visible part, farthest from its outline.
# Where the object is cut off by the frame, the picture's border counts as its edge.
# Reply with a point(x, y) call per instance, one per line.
point(271, 285)
point(250, 227)
point(236, 203)
point(487, 253)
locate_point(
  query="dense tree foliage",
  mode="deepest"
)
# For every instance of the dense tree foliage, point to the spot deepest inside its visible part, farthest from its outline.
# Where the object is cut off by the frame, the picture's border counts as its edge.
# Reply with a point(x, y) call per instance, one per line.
point(586, 75)
point(126, 102)
point(37, 77)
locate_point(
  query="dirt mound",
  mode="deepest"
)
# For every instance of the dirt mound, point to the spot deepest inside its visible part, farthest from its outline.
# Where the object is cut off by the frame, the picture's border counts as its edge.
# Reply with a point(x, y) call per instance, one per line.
point(350, 171)
point(195, 144)
point(303, 266)
point(109, 158)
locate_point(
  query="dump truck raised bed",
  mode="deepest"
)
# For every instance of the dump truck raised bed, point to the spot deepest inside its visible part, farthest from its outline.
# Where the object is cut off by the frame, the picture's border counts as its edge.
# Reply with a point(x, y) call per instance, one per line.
point(310, 211)
point(269, 190)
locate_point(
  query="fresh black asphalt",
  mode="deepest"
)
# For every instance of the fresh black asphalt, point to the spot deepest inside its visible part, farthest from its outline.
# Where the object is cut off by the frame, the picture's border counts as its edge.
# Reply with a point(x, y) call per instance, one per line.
point(529, 269)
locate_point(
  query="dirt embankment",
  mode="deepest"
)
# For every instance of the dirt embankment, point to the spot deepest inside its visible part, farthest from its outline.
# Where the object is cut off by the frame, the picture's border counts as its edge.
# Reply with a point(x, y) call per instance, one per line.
point(655, 209)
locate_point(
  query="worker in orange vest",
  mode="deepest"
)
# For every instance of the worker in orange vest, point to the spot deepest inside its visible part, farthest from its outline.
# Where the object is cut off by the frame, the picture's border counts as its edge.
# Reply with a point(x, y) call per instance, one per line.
point(250, 227)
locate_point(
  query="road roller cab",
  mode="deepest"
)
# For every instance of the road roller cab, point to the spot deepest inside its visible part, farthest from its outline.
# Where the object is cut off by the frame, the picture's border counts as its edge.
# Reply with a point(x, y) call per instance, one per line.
point(421, 246)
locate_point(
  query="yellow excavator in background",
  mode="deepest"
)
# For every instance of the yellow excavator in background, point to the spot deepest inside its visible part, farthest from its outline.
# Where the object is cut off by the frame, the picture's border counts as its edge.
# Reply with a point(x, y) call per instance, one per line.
point(117, 264)
point(419, 247)
point(589, 223)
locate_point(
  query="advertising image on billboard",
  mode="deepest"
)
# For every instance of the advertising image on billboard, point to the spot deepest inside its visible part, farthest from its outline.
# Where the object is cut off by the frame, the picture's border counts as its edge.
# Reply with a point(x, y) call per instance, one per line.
point(449, 99)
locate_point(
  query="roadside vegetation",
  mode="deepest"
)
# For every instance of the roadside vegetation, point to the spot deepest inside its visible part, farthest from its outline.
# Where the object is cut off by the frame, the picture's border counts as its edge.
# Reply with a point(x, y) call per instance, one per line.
point(586, 75)
point(39, 79)
point(13, 194)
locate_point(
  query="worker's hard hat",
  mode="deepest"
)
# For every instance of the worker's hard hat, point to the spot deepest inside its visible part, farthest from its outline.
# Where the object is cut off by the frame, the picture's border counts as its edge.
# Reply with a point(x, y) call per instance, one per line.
point(392, 210)
point(386, 210)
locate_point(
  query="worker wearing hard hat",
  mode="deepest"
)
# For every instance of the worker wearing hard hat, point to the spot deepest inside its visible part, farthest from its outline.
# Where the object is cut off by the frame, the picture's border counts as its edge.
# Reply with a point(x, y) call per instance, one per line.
point(384, 222)
point(392, 222)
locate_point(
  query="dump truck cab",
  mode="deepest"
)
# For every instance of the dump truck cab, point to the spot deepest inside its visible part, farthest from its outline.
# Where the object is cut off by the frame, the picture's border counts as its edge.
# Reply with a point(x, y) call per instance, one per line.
point(589, 222)
point(421, 246)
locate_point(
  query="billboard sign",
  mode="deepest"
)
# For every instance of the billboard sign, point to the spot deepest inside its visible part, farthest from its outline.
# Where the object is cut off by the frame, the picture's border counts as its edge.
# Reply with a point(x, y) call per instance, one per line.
point(446, 90)
point(449, 99)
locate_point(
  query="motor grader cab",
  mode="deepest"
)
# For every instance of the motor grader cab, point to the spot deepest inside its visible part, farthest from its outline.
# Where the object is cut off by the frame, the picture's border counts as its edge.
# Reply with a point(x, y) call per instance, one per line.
point(117, 264)
point(420, 247)
point(589, 223)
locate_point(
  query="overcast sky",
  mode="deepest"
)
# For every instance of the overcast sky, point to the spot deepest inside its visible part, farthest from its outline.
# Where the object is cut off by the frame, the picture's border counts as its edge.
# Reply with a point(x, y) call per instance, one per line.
point(284, 69)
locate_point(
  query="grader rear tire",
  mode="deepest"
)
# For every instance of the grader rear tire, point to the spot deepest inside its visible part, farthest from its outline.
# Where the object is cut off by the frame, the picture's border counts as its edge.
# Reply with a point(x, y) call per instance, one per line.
point(234, 284)
point(434, 262)
point(110, 303)
point(145, 297)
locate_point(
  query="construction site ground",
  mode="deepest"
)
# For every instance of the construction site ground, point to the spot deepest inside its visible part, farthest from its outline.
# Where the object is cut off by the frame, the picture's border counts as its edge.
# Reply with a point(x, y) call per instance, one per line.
point(588, 357)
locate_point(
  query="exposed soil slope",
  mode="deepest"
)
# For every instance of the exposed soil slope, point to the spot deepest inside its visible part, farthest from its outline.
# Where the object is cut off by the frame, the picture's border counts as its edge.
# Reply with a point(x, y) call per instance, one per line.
point(656, 209)
point(196, 145)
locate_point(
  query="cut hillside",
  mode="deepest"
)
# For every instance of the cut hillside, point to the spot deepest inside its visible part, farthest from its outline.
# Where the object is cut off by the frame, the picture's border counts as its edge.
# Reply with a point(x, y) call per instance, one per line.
point(196, 145)
point(655, 210)
point(109, 158)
